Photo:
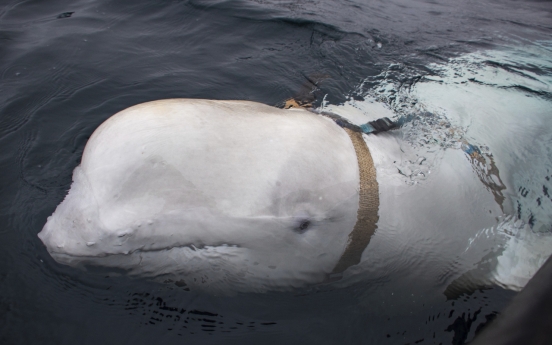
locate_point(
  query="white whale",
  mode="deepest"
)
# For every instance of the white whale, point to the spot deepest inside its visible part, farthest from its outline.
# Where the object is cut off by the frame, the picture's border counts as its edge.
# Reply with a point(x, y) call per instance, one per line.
point(230, 193)
point(241, 196)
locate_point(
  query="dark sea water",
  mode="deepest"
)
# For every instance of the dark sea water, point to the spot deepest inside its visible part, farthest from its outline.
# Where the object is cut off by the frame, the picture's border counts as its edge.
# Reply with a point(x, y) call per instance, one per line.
point(66, 66)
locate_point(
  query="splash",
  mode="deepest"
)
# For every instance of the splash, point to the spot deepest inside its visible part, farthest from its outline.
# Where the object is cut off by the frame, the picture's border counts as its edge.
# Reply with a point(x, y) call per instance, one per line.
point(496, 107)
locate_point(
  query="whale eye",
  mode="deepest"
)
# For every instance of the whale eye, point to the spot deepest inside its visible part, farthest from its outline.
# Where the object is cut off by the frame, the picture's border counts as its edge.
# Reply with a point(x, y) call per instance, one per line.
point(302, 226)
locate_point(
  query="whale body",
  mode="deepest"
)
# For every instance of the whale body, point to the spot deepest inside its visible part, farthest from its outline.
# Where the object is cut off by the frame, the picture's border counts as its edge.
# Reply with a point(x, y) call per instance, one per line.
point(231, 196)
point(227, 193)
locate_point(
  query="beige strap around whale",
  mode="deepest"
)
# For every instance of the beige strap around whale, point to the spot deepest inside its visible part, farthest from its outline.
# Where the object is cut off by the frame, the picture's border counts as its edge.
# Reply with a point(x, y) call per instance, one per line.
point(368, 205)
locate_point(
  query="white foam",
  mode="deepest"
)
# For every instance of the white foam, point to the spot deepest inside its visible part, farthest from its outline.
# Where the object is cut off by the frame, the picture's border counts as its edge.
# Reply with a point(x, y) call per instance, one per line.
point(498, 102)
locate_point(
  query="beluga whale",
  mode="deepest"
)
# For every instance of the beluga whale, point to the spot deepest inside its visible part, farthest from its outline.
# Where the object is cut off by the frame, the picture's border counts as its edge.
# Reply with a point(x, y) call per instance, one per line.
point(239, 196)
point(231, 195)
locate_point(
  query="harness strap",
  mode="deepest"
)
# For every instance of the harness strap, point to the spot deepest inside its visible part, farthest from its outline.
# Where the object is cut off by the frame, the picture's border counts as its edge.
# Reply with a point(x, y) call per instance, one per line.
point(367, 214)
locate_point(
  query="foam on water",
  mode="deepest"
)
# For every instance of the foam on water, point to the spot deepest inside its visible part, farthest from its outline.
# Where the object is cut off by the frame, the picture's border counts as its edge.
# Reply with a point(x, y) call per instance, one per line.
point(493, 108)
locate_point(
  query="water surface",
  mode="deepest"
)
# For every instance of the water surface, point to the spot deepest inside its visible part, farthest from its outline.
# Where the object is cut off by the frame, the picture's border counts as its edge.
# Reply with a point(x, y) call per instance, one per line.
point(481, 67)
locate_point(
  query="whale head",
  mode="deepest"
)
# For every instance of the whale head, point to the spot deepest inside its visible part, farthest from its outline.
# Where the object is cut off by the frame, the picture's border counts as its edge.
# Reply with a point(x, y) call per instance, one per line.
point(224, 195)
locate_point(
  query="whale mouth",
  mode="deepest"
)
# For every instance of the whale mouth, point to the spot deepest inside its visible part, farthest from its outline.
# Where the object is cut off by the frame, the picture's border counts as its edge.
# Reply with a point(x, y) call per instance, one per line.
point(191, 246)
point(177, 261)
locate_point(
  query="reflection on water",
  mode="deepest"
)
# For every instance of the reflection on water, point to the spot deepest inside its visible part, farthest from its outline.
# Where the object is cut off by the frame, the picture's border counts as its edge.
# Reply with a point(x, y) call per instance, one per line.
point(473, 79)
